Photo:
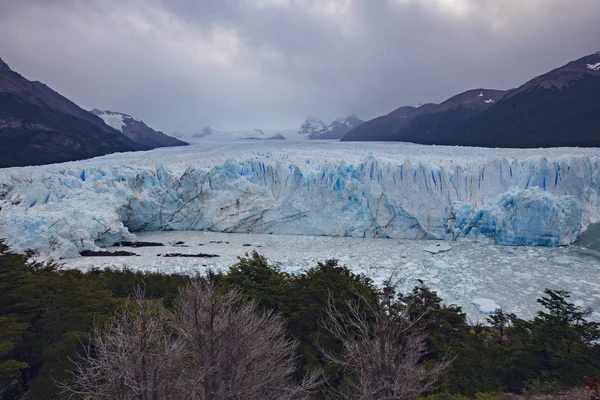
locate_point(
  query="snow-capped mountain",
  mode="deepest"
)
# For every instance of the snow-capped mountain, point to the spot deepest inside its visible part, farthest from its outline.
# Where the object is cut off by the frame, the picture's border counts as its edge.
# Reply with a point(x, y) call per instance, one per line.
point(39, 126)
point(311, 126)
point(136, 130)
point(316, 129)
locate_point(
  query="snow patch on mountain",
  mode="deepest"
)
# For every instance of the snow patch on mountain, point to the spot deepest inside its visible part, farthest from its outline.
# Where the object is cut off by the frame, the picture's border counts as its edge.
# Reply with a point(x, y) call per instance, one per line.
point(114, 119)
point(594, 67)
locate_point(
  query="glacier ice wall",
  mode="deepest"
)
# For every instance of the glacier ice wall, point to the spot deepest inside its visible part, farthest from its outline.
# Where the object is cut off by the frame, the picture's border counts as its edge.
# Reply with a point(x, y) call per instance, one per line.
point(63, 209)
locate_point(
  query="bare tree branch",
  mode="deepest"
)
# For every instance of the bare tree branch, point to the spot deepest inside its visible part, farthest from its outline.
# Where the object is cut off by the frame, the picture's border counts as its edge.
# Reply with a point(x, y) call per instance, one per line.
point(236, 351)
point(213, 347)
point(136, 357)
point(383, 347)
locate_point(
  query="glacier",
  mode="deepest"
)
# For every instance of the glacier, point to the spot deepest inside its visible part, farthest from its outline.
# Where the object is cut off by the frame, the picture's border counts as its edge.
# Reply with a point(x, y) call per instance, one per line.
point(543, 197)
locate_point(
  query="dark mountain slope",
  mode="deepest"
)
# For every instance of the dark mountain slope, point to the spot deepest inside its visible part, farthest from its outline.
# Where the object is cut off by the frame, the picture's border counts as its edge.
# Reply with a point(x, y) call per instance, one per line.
point(560, 108)
point(39, 126)
point(385, 128)
point(426, 123)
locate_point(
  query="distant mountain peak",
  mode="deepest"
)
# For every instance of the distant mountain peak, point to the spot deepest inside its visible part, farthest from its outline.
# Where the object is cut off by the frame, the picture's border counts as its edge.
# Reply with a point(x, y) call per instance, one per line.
point(3, 64)
point(565, 76)
point(312, 125)
point(315, 128)
point(136, 130)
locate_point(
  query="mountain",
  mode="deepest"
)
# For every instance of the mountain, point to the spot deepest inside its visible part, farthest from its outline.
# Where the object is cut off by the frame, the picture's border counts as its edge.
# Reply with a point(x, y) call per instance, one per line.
point(425, 123)
point(559, 108)
point(39, 126)
point(311, 126)
point(317, 129)
point(137, 130)
point(209, 134)
point(206, 131)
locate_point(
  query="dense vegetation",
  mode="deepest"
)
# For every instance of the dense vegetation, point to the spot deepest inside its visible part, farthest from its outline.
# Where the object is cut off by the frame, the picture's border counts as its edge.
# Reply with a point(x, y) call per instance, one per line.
point(46, 314)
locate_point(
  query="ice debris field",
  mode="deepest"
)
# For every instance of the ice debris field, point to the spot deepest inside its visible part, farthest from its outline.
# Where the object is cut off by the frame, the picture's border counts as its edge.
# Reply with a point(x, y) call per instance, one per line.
point(472, 198)
point(479, 277)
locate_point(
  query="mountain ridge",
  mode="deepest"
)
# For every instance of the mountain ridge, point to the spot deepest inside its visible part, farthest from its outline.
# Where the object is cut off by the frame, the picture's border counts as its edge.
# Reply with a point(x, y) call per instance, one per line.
point(557, 108)
point(316, 129)
point(409, 123)
point(40, 126)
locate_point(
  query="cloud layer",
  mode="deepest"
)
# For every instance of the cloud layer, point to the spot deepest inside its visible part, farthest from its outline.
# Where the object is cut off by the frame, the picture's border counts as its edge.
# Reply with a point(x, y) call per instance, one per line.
point(241, 64)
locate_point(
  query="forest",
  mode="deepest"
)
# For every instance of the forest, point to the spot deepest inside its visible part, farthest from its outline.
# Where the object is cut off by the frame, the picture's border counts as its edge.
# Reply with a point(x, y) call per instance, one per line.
point(257, 332)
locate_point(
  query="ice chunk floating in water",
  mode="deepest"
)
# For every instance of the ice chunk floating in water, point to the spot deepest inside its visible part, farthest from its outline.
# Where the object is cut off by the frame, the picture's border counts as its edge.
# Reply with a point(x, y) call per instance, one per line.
point(513, 197)
point(486, 306)
point(437, 248)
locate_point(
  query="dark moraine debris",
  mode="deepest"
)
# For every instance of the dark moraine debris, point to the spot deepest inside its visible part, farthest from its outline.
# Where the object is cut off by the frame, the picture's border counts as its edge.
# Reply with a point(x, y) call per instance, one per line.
point(218, 242)
point(199, 255)
point(138, 244)
point(104, 253)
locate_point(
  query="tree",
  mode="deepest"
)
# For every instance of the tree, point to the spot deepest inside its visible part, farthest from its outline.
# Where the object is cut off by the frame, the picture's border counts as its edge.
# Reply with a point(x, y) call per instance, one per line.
point(259, 281)
point(301, 299)
point(45, 313)
point(500, 321)
point(382, 359)
point(10, 332)
point(564, 344)
point(136, 357)
point(445, 324)
point(214, 346)
point(234, 350)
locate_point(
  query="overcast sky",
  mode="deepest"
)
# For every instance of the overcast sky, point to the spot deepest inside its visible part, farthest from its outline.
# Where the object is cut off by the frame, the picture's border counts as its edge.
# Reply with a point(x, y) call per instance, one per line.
point(241, 64)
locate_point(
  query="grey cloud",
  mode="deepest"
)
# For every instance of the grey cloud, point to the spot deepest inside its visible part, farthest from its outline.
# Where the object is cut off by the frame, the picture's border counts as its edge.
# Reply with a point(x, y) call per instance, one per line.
point(234, 64)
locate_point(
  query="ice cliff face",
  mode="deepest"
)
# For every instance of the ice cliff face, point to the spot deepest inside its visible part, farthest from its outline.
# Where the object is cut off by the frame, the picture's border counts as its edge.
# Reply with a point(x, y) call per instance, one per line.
point(543, 199)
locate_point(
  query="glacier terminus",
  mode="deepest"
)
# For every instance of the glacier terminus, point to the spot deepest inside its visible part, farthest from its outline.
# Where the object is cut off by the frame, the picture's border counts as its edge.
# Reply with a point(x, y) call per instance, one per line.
point(540, 197)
